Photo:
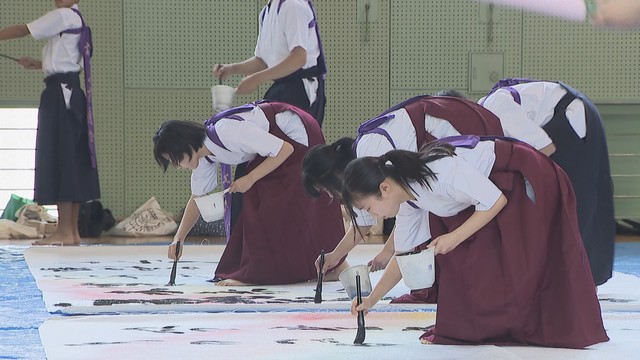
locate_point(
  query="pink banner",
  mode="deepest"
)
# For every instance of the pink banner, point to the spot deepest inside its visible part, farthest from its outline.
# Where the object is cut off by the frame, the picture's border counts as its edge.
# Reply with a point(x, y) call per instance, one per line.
point(575, 10)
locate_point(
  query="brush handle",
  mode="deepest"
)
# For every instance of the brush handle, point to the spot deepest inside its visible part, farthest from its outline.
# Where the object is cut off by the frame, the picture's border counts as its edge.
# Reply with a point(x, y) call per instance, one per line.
point(359, 299)
point(361, 327)
point(318, 298)
point(172, 277)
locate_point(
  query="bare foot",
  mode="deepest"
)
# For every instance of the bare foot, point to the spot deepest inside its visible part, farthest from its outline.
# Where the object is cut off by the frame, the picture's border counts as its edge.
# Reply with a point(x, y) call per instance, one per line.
point(231, 282)
point(333, 274)
point(57, 240)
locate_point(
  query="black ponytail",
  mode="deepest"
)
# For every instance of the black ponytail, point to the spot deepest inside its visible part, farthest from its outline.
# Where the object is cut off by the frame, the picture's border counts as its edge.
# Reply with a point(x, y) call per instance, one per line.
point(362, 177)
point(323, 167)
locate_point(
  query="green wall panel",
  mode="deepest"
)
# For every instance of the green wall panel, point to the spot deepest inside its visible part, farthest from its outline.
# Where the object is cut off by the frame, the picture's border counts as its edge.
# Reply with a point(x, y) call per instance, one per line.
point(176, 44)
point(153, 61)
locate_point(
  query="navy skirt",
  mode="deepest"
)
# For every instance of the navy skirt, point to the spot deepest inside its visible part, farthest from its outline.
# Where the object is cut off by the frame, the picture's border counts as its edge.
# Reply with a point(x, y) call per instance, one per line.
point(63, 163)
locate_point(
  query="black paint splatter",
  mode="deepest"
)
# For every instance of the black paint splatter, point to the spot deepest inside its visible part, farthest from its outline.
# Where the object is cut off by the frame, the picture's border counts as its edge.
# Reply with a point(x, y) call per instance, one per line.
point(211, 329)
point(142, 268)
point(65, 269)
point(113, 343)
point(170, 329)
point(415, 328)
point(326, 341)
point(312, 328)
point(115, 285)
point(616, 300)
point(158, 291)
point(213, 342)
point(287, 341)
point(368, 345)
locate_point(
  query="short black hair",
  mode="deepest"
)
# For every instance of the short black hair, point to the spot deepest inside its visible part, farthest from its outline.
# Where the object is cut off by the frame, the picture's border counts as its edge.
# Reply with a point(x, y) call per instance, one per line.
point(175, 139)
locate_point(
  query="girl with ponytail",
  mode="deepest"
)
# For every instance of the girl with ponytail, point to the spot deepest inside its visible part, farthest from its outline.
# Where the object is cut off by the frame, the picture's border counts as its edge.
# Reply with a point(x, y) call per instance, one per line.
point(510, 265)
point(408, 125)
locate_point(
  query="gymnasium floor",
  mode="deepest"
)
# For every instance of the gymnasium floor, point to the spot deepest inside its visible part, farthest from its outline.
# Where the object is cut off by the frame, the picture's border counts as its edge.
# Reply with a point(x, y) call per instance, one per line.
point(22, 310)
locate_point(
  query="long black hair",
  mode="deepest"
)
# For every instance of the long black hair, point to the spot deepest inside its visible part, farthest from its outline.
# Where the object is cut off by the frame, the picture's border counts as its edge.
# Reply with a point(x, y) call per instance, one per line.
point(363, 176)
point(175, 139)
point(323, 167)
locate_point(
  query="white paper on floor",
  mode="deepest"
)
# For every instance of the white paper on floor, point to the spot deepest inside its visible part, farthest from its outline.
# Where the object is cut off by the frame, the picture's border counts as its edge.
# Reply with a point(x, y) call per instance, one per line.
point(621, 292)
point(268, 336)
point(132, 279)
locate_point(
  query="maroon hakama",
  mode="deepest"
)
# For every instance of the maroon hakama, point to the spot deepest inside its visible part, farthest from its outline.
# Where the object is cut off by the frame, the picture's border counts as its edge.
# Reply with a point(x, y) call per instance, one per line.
point(524, 278)
point(281, 230)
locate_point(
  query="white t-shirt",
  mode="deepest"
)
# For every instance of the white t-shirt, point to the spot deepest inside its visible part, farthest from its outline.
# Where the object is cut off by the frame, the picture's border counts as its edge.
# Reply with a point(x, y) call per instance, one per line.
point(60, 54)
point(463, 181)
point(538, 101)
point(244, 140)
point(403, 133)
point(280, 32)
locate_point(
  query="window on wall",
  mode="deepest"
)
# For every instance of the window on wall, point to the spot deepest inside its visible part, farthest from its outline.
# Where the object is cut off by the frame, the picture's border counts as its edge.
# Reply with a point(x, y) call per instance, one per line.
point(17, 154)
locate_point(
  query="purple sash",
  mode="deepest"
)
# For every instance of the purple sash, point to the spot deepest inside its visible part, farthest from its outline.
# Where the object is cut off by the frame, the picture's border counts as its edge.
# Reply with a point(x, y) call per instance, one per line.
point(85, 46)
point(372, 126)
point(508, 84)
point(470, 141)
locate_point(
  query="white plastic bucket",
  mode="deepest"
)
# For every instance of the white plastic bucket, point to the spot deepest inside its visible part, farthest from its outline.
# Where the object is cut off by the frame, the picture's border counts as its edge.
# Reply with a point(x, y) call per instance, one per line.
point(348, 280)
point(211, 206)
point(418, 269)
point(222, 97)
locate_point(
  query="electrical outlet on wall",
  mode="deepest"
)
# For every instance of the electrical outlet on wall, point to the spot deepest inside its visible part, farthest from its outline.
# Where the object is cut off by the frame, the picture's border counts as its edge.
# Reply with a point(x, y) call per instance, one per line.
point(485, 69)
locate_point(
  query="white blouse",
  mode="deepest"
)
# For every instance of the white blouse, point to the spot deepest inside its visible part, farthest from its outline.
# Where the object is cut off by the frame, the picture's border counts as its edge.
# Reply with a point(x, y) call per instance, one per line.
point(244, 140)
point(61, 53)
point(280, 32)
point(462, 181)
point(538, 101)
point(403, 133)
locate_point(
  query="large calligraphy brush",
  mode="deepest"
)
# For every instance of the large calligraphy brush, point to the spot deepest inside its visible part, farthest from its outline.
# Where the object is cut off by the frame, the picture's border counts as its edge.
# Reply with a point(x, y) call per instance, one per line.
point(172, 277)
point(318, 298)
point(361, 329)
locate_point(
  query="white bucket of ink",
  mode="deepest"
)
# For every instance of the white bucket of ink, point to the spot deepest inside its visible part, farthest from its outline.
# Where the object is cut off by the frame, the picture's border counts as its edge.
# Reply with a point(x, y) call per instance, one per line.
point(348, 280)
point(222, 97)
point(211, 206)
point(418, 269)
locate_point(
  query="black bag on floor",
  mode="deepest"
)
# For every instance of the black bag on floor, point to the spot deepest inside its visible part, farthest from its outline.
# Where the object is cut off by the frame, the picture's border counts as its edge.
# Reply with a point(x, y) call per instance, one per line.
point(203, 228)
point(94, 219)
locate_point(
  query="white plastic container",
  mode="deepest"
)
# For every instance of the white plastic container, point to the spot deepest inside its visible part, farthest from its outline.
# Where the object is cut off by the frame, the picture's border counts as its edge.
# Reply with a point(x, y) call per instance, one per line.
point(348, 280)
point(418, 269)
point(222, 97)
point(211, 206)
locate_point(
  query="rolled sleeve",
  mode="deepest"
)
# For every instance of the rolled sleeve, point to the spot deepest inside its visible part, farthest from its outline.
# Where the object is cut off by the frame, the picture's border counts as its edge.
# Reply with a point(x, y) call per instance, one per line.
point(248, 138)
point(297, 16)
point(412, 228)
point(204, 178)
point(470, 186)
point(53, 23)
